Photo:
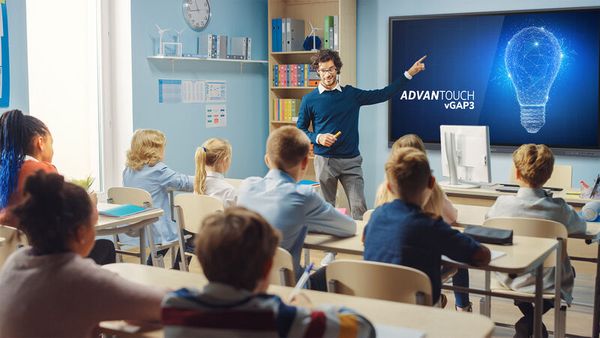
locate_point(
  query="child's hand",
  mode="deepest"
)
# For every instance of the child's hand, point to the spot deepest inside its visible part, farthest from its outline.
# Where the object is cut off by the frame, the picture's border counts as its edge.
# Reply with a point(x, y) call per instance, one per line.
point(301, 299)
point(482, 256)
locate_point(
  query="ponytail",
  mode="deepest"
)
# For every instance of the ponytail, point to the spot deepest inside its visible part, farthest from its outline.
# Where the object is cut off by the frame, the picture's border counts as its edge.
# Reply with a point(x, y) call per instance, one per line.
point(200, 178)
point(16, 133)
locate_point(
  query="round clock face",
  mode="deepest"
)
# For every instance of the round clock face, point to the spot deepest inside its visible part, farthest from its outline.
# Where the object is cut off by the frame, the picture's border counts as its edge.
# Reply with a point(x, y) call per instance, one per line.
point(196, 13)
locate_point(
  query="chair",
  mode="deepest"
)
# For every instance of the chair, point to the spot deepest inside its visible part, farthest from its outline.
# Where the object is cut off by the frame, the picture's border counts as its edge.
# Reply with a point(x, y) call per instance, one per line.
point(562, 176)
point(10, 240)
point(534, 227)
point(191, 209)
point(379, 280)
point(367, 215)
point(282, 272)
point(142, 198)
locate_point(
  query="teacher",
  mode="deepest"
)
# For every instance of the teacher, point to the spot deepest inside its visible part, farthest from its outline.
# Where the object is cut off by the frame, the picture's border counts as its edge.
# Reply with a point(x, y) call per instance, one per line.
point(333, 112)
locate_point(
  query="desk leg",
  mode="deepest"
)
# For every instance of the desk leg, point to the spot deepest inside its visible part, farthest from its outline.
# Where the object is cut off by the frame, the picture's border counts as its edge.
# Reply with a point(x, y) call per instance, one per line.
point(487, 310)
point(142, 245)
point(537, 319)
point(559, 330)
point(306, 257)
point(596, 320)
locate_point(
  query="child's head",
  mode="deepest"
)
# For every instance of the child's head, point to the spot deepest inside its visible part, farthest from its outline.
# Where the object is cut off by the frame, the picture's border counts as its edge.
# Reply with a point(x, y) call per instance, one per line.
point(287, 148)
point(409, 176)
point(236, 247)
point(20, 135)
point(409, 140)
point(147, 148)
point(215, 153)
point(56, 216)
point(534, 164)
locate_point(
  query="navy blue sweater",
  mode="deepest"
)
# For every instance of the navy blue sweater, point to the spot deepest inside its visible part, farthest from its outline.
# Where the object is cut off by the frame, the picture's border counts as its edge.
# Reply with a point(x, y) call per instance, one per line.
point(333, 111)
point(400, 233)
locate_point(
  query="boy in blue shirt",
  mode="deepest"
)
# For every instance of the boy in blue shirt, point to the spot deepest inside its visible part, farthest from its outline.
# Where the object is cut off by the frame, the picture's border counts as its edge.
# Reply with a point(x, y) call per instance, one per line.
point(291, 208)
point(399, 232)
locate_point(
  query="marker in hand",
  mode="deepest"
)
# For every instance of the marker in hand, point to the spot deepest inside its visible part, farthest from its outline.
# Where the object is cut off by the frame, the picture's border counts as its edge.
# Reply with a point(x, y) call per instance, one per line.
point(337, 134)
point(303, 279)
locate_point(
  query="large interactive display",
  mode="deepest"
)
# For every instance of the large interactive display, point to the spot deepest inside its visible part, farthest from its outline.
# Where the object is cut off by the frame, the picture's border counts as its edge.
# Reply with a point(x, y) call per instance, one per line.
point(532, 77)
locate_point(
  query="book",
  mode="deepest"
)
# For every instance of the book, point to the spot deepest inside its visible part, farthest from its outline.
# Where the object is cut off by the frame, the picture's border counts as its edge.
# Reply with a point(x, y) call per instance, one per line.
point(326, 31)
point(296, 35)
point(236, 48)
point(336, 32)
point(309, 182)
point(222, 49)
point(276, 35)
point(123, 210)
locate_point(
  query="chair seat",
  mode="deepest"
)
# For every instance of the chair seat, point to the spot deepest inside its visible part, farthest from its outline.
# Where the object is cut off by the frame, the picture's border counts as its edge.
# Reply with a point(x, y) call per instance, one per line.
point(495, 286)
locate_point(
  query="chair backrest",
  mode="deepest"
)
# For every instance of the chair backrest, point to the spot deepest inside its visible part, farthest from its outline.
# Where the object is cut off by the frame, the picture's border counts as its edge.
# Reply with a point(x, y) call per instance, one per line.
point(282, 272)
point(193, 208)
point(127, 195)
point(235, 182)
point(10, 238)
point(532, 227)
point(367, 215)
point(379, 280)
point(562, 176)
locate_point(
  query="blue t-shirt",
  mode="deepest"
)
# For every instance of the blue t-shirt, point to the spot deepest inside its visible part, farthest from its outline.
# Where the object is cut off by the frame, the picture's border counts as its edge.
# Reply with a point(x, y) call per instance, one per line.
point(401, 233)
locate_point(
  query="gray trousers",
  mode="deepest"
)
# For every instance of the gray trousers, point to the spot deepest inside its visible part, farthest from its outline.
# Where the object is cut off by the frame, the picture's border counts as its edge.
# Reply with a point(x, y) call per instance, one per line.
point(349, 172)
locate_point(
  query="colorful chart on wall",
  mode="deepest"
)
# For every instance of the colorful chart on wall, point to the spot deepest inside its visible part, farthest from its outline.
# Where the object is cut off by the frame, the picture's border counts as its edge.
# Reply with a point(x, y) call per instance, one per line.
point(4, 64)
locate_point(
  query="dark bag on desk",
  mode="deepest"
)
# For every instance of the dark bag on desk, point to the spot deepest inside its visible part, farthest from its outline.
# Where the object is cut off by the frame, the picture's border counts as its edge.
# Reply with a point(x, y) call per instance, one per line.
point(489, 235)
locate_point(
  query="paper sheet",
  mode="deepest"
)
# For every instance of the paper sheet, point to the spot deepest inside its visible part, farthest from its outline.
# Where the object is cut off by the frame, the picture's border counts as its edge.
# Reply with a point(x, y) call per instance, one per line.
point(387, 331)
point(216, 115)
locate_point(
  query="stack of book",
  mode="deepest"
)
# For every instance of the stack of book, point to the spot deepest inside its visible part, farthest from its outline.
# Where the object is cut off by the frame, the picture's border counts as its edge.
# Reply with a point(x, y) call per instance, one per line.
point(224, 47)
point(295, 75)
point(287, 35)
point(286, 109)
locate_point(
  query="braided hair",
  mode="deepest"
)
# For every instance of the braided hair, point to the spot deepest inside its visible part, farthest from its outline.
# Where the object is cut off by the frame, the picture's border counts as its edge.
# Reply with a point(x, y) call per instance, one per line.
point(16, 134)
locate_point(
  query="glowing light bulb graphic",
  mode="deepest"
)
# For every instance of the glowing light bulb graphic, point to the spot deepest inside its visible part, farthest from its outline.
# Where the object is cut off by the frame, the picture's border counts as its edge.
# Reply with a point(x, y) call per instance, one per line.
point(533, 56)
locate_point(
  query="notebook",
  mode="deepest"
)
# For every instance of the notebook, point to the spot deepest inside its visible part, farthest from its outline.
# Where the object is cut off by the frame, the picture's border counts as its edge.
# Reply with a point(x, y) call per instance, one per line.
point(122, 210)
point(495, 255)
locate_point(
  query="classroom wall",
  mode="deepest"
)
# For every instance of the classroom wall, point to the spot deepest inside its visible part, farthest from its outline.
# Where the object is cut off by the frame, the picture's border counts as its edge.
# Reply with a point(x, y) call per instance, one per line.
point(184, 124)
point(372, 72)
point(17, 45)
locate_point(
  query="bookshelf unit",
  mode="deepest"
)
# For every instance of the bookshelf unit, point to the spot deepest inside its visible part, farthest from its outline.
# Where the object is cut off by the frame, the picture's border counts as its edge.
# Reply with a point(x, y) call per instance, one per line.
point(313, 11)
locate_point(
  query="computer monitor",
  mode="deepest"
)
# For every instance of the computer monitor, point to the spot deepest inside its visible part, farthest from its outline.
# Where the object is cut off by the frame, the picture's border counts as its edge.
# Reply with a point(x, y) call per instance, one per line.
point(465, 155)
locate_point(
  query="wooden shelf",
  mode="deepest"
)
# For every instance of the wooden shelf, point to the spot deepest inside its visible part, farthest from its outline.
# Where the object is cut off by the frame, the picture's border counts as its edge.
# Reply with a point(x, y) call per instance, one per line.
point(292, 88)
point(299, 52)
point(283, 122)
point(190, 58)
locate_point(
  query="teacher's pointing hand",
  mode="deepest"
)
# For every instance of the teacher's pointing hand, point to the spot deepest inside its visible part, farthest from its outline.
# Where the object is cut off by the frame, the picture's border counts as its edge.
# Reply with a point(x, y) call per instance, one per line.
point(419, 66)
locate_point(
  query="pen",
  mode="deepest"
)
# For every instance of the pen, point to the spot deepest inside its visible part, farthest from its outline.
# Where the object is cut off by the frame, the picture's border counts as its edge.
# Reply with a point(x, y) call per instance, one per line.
point(337, 134)
point(303, 279)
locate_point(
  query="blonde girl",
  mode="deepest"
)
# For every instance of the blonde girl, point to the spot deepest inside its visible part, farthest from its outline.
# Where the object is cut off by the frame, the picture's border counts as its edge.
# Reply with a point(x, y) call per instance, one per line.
point(213, 160)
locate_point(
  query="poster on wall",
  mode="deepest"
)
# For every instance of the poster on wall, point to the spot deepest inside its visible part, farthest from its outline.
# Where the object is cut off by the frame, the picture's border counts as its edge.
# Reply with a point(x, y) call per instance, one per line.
point(4, 65)
point(216, 91)
point(216, 116)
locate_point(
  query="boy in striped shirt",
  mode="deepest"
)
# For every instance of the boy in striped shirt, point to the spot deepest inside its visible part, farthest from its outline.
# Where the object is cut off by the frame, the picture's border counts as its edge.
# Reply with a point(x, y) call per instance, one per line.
point(236, 250)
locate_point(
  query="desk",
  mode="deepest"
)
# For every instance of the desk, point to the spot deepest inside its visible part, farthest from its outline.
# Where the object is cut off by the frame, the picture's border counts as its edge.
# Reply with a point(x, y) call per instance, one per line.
point(486, 196)
point(526, 254)
point(109, 226)
point(475, 215)
point(434, 322)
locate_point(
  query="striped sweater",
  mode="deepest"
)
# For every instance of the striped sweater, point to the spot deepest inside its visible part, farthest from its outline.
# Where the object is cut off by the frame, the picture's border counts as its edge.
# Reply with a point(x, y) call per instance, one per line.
point(220, 310)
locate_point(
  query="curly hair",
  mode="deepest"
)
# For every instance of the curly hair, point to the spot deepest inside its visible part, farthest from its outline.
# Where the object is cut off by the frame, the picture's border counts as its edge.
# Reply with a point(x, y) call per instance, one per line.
point(147, 147)
point(52, 212)
point(325, 55)
point(534, 163)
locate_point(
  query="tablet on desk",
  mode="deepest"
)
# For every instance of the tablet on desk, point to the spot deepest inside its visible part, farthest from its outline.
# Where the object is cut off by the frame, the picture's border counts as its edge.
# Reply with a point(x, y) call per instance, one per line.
point(123, 210)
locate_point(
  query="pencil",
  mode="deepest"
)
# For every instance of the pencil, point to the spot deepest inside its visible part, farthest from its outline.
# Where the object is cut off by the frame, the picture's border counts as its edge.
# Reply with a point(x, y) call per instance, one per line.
point(303, 279)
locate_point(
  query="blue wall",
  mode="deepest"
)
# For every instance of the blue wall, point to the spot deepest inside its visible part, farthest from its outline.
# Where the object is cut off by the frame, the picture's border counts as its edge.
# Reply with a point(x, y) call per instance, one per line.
point(17, 45)
point(183, 124)
point(372, 72)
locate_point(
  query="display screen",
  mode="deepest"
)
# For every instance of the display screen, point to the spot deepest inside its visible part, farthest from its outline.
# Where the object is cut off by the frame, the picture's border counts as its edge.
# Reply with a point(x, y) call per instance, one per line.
point(532, 77)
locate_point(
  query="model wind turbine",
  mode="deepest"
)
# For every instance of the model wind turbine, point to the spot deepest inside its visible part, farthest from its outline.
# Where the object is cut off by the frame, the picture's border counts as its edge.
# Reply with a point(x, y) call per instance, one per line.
point(313, 30)
point(161, 33)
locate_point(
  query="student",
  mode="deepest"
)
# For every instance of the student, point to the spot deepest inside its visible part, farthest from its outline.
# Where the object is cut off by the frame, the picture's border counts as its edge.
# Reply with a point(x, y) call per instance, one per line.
point(400, 232)
point(534, 164)
point(291, 208)
point(26, 148)
point(145, 170)
point(236, 250)
point(48, 289)
point(438, 204)
point(213, 159)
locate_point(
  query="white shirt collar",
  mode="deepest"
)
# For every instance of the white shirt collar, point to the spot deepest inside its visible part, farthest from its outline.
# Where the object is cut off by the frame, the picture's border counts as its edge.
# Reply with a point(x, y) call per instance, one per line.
point(323, 89)
point(30, 158)
point(214, 174)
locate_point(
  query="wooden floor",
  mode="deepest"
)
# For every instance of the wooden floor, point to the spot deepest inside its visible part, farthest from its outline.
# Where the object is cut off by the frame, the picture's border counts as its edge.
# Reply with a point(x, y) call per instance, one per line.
point(579, 316)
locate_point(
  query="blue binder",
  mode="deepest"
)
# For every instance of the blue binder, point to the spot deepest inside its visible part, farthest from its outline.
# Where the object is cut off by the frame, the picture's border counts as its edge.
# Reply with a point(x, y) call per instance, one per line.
point(276, 35)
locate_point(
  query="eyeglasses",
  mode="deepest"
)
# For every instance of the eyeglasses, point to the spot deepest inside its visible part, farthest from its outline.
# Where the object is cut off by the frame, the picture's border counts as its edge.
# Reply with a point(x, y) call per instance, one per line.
point(331, 70)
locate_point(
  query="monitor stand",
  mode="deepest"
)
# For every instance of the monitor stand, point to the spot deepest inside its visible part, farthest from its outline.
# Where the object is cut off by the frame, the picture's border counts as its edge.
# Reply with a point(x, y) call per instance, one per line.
point(460, 185)
point(451, 158)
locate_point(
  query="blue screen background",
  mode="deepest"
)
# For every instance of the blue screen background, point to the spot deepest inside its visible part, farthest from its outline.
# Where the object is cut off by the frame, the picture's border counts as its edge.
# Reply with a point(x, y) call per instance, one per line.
point(467, 53)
